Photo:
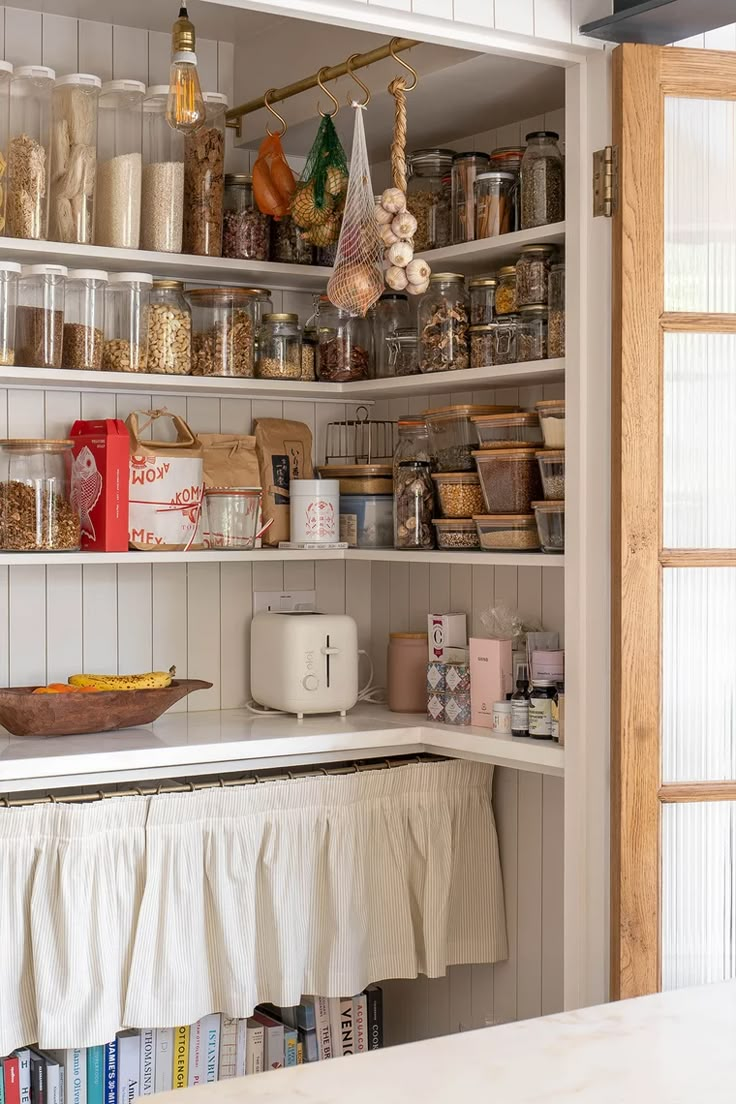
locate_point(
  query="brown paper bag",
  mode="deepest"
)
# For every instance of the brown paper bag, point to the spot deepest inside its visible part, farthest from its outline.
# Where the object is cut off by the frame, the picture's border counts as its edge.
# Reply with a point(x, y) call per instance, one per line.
point(166, 488)
point(284, 452)
point(230, 460)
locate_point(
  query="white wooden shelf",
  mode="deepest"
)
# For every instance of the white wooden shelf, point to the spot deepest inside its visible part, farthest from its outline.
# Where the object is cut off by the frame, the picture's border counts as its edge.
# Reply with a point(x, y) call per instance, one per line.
point(488, 254)
point(470, 379)
point(278, 555)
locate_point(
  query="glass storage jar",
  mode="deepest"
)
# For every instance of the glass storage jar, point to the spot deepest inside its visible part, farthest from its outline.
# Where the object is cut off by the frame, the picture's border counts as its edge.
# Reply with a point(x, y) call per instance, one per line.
point(28, 152)
point(162, 190)
point(127, 299)
point(531, 334)
point(231, 516)
point(552, 469)
point(456, 535)
point(465, 168)
point(246, 233)
point(505, 331)
point(414, 505)
point(482, 294)
point(288, 244)
point(452, 437)
point(505, 300)
point(552, 420)
point(519, 430)
point(204, 180)
point(73, 161)
point(391, 313)
point(402, 352)
point(39, 317)
point(507, 532)
point(279, 347)
point(345, 345)
point(310, 343)
point(9, 272)
point(429, 197)
point(482, 348)
point(84, 319)
point(119, 164)
point(510, 479)
point(556, 305)
point(412, 443)
point(494, 204)
point(223, 331)
point(551, 525)
point(508, 159)
point(36, 504)
point(532, 274)
point(542, 180)
point(6, 74)
point(442, 322)
point(169, 329)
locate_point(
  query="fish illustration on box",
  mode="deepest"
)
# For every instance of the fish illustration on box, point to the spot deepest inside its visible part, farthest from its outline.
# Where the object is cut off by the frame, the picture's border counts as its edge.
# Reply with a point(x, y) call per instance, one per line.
point(86, 489)
point(99, 483)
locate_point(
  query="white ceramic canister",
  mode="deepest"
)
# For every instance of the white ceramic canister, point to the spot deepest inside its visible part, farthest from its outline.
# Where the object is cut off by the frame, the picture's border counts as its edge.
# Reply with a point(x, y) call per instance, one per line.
point(315, 510)
point(502, 717)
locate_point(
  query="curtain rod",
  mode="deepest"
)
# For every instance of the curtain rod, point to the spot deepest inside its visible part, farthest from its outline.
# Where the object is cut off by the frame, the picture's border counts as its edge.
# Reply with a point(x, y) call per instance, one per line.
point(357, 766)
point(332, 72)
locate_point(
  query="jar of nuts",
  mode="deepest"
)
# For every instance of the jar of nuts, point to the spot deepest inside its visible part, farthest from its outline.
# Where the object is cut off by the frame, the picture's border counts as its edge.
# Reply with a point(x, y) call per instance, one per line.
point(126, 322)
point(169, 329)
point(223, 331)
point(279, 347)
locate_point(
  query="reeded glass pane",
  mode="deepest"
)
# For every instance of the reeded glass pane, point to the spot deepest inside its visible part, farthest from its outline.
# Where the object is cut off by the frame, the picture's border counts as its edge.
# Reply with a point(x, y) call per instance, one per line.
point(698, 893)
point(698, 674)
point(699, 440)
point(700, 220)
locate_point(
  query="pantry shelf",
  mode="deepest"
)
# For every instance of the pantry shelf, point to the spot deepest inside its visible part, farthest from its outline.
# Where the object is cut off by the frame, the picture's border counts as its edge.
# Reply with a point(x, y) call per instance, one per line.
point(470, 379)
point(488, 254)
point(278, 555)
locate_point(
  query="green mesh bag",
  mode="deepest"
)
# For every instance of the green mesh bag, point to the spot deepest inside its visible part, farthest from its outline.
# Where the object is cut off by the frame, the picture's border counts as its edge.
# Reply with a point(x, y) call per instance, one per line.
point(318, 202)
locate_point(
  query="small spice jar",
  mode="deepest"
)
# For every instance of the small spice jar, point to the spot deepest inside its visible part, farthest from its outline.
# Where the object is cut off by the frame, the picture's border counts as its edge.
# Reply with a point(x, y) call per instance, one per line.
point(542, 180)
point(510, 480)
point(169, 329)
point(310, 344)
point(84, 320)
point(345, 345)
point(556, 307)
point(452, 436)
point(120, 164)
point(482, 294)
point(288, 244)
point(505, 339)
point(39, 318)
point(246, 233)
point(551, 525)
point(390, 314)
point(406, 672)
point(162, 190)
point(532, 274)
point(414, 505)
point(126, 322)
point(442, 322)
point(552, 469)
point(507, 532)
point(73, 161)
point(494, 204)
point(459, 494)
point(204, 180)
point(279, 347)
point(505, 300)
point(465, 168)
point(456, 535)
point(552, 420)
point(223, 331)
point(508, 430)
point(28, 152)
point(429, 197)
point(403, 354)
point(482, 346)
point(36, 511)
point(531, 334)
point(9, 272)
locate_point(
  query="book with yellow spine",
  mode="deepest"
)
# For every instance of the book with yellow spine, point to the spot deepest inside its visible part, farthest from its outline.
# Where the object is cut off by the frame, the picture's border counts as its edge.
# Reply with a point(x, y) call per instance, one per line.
point(181, 1057)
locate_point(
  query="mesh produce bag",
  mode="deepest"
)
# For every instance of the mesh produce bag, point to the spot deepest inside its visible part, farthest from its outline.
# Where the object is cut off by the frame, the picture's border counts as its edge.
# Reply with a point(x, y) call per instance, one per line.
point(318, 202)
point(357, 279)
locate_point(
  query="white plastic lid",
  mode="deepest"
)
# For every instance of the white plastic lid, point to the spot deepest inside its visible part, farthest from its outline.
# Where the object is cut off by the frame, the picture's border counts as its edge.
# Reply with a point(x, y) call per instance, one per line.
point(502, 707)
point(123, 86)
point(87, 274)
point(44, 270)
point(37, 72)
point(314, 487)
point(83, 80)
point(9, 266)
point(155, 91)
point(130, 278)
point(6, 67)
point(215, 98)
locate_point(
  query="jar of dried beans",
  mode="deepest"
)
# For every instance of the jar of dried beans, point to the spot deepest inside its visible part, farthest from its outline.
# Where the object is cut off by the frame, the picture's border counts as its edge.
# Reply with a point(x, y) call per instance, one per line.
point(204, 180)
point(532, 274)
point(223, 331)
point(279, 347)
point(9, 272)
point(414, 505)
point(28, 152)
point(494, 204)
point(506, 290)
point(542, 180)
point(162, 191)
point(429, 197)
point(482, 294)
point(39, 318)
point(465, 168)
point(119, 167)
point(38, 511)
point(345, 345)
point(556, 301)
point(126, 322)
point(73, 168)
point(531, 334)
point(246, 231)
point(169, 329)
point(84, 320)
point(442, 322)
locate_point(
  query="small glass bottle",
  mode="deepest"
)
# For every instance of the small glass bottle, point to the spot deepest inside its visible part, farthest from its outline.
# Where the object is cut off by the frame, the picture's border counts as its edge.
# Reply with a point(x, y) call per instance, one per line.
point(465, 168)
point(279, 347)
point(84, 320)
point(169, 329)
point(204, 181)
point(162, 191)
point(482, 293)
point(28, 152)
point(442, 322)
point(556, 318)
point(39, 317)
point(506, 290)
point(531, 334)
point(414, 505)
point(541, 696)
point(73, 169)
point(390, 314)
point(532, 274)
point(520, 709)
point(126, 322)
point(429, 197)
point(119, 168)
point(246, 231)
point(542, 180)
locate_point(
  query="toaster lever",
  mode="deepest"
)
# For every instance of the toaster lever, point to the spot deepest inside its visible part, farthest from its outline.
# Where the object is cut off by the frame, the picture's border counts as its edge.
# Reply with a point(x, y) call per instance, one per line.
point(327, 651)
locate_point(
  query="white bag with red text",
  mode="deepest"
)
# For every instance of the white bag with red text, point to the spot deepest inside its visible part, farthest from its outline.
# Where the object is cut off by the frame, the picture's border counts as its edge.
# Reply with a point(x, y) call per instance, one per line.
point(166, 487)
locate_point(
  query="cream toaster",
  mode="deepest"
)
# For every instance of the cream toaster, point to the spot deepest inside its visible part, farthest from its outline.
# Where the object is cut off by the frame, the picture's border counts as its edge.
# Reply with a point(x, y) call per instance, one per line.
point(304, 662)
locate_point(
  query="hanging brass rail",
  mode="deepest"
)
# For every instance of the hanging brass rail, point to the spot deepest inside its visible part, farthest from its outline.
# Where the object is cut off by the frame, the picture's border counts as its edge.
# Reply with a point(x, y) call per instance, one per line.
point(330, 73)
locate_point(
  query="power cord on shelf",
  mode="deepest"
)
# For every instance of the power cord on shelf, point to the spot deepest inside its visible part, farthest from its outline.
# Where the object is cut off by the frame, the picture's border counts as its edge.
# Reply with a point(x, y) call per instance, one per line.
point(375, 695)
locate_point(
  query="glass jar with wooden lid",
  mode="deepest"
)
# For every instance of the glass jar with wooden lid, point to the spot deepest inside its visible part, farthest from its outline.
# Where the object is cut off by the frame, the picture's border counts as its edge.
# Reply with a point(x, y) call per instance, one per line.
point(223, 331)
point(532, 274)
point(482, 295)
point(279, 347)
point(506, 290)
point(360, 479)
point(36, 509)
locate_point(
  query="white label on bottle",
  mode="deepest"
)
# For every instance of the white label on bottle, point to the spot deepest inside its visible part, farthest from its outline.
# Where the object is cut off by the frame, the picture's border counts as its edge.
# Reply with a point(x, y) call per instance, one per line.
point(519, 715)
point(540, 716)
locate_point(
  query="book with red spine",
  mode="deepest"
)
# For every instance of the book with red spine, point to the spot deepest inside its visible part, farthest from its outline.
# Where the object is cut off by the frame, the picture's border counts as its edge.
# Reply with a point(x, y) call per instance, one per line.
point(11, 1080)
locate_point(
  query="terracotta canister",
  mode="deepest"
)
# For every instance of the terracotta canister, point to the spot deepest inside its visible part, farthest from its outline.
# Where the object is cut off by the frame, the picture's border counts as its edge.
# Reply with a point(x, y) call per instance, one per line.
point(407, 672)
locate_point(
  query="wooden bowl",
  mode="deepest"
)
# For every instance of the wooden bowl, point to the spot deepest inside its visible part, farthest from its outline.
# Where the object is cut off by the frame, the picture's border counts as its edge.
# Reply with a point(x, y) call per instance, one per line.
point(24, 713)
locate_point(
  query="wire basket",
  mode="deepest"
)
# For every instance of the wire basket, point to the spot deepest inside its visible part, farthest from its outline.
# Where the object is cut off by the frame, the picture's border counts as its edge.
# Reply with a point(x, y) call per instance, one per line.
point(359, 440)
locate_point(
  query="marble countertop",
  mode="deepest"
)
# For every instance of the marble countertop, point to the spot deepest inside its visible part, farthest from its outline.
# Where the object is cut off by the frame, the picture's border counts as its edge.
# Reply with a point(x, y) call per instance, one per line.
point(673, 1048)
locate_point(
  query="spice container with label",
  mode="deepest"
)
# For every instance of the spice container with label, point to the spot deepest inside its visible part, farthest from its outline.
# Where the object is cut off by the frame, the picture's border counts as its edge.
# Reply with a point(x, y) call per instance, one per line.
point(345, 345)
point(531, 334)
point(552, 469)
point(505, 332)
point(532, 274)
point(36, 507)
point(223, 331)
point(169, 329)
point(507, 532)
point(502, 717)
point(119, 164)
point(482, 295)
point(452, 435)
point(542, 180)
point(231, 515)
point(541, 697)
point(39, 317)
point(310, 344)
point(508, 159)
point(551, 525)
point(552, 420)
point(403, 354)
point(482, 346)
point(505, 301)
point(465, 168)
point(73, 161)
point(406, 672)
point(84, 320)
point(246, 233)
point(429, 197)
point(391, 313)
point(314, 511)
point(510, 479)
point(442, 323)
point(288, 244)
point(458, 493)
point(556, 303)
point(494, 204)
point(366, 520)
point(9, 272)
point(279, 347)
point(204, 180)
point(28, 152)
point(162, 190)
point(456, 534)
point(520, 430)
point(414, 505)
point(126, 322)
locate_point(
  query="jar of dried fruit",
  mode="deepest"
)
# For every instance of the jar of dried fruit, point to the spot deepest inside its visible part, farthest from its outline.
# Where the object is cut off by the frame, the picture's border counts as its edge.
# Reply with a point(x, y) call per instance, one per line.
point(223, 331)
point(532, 274)
point(84, 320)
point(442, 322)
point(429, 197)
point(126, 322)
point(204, 180)
point(169, 329)
point(28, 152)
point(246, 230)
point(542, 180)
point(345, 345)
point(38, 512)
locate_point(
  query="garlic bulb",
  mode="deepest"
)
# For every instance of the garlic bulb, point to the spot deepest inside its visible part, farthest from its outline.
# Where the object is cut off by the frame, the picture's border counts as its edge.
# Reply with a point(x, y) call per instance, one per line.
point(387, 235)
point(418, 271)
point(400, 254)
point(404, 225)
point(383, 217)
point(417, 289)
point(394, 200)
point(396, 278)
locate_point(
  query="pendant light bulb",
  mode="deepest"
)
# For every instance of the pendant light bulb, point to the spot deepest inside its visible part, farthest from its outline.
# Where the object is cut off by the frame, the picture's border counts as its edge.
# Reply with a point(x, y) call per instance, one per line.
point(185, 109)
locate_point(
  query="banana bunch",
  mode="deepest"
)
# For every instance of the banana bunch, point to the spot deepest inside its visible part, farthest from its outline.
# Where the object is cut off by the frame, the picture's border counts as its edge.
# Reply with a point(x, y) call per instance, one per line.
point(151, 680)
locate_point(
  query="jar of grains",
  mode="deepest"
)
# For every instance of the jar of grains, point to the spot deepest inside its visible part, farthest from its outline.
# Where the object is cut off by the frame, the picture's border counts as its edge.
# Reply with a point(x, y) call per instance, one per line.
point(506, 290)
point(39, 317)
point(119, 164)
point(494, 204)
point(403, 353)
point(73, 161)
point(245, 230)
point(508, 159)
point(414, 505)
point(391, 313)
point(510, 479)
point(127, 298)
point(532, 274)
point(310, 342)
point(162, 191)
point(279, 347)
point(442, 322)
point(9, 272)
point(465, 168)
point(37, 511)
point(204, 181)
point(169, 329)
point(429, 197)
point(542, 180)
point(556, 301)
point(531, 334)
point(288, 244)
point(223, 331)
point(504, 339)
point(28, 152)
point(345, 345)
point(84, 320)
point(482, 294)
point(482, 349)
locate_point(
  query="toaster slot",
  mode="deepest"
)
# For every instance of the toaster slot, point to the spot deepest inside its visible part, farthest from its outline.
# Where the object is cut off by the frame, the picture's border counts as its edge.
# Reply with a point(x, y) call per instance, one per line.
point(327, 657)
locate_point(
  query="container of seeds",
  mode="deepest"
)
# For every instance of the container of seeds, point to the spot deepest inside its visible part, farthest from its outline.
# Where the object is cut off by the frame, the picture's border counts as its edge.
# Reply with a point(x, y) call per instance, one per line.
point(162, 190)
point(37, 513)
point(510, 479)
point(279, 347)
point(458, 493)
point(552, 468)
point(551, 525)
point(452, 436)
point(507, 532)
point(84, 320)
point(456, 535)
point(223, 330)
point(507, 430)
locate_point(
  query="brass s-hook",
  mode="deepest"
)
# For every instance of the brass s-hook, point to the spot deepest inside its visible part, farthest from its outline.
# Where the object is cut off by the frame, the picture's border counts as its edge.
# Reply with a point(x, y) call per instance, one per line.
point(327, 114)
point(404, 64)
point(358, 81)
point(274, 112)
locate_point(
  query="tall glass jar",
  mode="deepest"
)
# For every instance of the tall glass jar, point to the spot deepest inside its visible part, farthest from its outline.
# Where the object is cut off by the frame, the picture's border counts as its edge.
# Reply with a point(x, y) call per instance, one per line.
point(482, 294)
point(28, 152)
point(345, 345)
point(169, 329)
point(84, 320)
point(279, 347)
point(403, 353)
point(310, 345)
point(288, 244)
point(412, 443)
point(204, 181)
point(73, 157)
point(429, 197)
point(442, 322)
point(9, 272)
point(505, 301)
point(465, 168)
point(223, 328)
point(508, 159)
point(39, 318)
point(37, 512)
point(414, 505)
point(119, 164)
point(246, 232)
point(162, 190)
point(556, 296)
point(531, 334)
point(494, 204)
point(6, 74)
point(532, 274)
point(126, 322)
point(391, 313)
point(542, 180)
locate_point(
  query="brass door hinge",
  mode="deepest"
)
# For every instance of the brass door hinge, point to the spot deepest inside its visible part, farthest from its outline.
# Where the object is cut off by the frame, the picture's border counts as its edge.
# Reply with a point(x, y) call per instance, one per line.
point(605, 181)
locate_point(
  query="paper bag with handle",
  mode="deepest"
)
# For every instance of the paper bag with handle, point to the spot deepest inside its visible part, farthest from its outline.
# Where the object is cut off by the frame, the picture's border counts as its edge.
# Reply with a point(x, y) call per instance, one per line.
point(166, 486)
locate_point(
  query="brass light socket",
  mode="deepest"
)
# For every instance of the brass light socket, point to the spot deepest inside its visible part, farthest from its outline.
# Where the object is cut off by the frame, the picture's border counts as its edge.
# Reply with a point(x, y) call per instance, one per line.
point(182, 33)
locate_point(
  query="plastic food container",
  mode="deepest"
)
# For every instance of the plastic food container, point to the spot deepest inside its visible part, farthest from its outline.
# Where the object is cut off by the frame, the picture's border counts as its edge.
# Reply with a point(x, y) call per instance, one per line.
point(246, 232)
point(552, 420)
point(36, 511)
point(204, 181)
point(508, 430)
point(73, 169)
point(366, 521)
point(126, 322)
point(9, 272)
point(510, 479)
point(28, 152)
point(459, 494)
point(452, 436)
point(84, 320)
point(360, 479)
point(39, 318)
point(231, 516)
point(162, 192)
point(507, 532)
point(551, 525)
point(169, 329)
point(552, 468)
point(456, 535)
point(223, 331)
point(120, 164)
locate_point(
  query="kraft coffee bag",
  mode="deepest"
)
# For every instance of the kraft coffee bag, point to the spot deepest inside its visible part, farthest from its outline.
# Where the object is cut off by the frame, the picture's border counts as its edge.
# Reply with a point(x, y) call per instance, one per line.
point(284, 451)
point(230, 460)
point(166, 487)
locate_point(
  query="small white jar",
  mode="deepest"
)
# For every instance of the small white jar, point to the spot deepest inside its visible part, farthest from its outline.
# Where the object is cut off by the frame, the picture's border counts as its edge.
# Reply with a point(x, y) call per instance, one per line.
point(315, 510)
point(502, 717)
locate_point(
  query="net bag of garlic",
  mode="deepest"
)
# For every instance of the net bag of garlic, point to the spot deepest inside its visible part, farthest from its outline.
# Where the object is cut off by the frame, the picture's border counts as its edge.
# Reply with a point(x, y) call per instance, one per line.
point(319, 200)
point(356, 282)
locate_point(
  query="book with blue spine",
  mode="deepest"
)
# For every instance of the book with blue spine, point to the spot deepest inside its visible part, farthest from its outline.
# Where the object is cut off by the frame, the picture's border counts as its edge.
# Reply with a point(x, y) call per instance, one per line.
point(95, 1075)
point(111, 1072)
point(290, 1046)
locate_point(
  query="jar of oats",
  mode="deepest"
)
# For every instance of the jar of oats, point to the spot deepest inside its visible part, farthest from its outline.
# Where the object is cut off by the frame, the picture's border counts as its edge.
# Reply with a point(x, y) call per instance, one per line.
point(28, 152)
point(223, 330)
point(169, 329)
point(126, 322)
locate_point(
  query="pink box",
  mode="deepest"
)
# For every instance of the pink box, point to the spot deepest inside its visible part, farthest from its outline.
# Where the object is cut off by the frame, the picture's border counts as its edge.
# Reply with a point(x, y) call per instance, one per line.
point(490, 677)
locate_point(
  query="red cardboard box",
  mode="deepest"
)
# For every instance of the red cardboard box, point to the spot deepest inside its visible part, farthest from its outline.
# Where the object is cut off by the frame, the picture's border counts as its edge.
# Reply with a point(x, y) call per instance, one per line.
point(100, 476)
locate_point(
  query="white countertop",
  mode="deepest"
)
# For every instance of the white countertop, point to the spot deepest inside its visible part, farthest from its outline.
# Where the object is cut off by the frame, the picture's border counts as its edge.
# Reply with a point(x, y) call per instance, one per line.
point(674, 1048)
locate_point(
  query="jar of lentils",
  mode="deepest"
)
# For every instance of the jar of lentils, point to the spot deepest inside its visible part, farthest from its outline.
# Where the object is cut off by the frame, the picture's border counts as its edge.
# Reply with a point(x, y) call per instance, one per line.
point(443, 324)
point(532, 274)
point(245, 230)
point(506, 290)
point(279, 347)
point(482, 352)
point(556, 300)
point(482, 294)
point(169, 329)
point(504, 339)
point(531, 334)
point(542, 180)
